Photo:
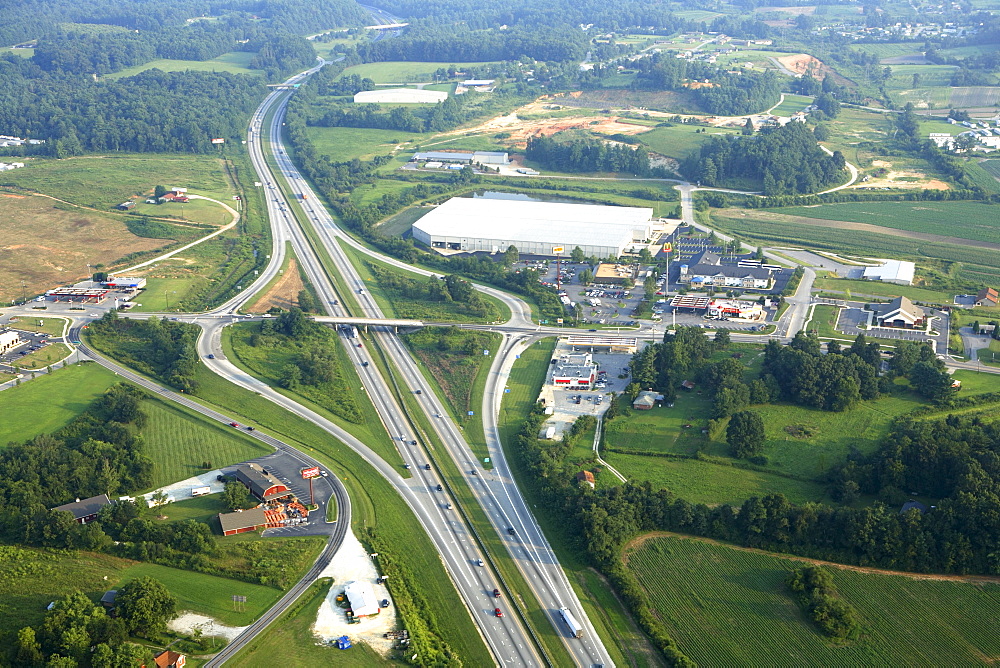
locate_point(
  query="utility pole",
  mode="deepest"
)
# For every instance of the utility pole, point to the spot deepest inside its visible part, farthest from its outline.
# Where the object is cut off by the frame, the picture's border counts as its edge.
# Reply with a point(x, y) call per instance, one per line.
point(24, 296)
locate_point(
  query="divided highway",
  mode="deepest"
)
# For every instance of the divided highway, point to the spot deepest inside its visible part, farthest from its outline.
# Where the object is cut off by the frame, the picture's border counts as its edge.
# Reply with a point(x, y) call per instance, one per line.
point(497, 492)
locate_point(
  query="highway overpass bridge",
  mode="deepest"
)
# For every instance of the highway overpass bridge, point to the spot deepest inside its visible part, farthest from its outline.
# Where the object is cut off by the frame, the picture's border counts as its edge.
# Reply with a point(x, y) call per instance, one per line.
point(366, 322)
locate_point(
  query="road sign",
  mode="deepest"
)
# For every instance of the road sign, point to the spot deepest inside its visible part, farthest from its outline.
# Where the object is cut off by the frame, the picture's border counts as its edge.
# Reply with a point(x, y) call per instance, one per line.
point(471, 413)
point(506, 390)
point(486, 460)
point(312, 472)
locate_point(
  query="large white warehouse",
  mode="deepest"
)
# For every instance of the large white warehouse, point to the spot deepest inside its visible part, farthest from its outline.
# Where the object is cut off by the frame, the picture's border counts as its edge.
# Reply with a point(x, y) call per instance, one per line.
point(400, 95)
point(534, 228)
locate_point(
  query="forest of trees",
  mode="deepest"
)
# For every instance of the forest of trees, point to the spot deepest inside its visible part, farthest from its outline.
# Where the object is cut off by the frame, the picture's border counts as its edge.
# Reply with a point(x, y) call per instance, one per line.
point(58, 95)
point(588, 155)
point(161, 348)
point(727, 95)
point(784, 160)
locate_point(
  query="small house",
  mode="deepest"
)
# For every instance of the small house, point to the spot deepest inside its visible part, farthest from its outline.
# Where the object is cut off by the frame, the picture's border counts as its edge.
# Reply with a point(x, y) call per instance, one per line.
point(586, 478)
point(988, 297)
point(108, 600)
point(646, 400)
point(170, 659)
point(85, 511)
point(687, 384)
point(912, 505)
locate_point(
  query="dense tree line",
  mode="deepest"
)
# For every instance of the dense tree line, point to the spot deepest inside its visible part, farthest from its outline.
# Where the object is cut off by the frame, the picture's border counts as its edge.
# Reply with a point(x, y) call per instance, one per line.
point(161, 348)
point(153, 111)
point(721, 92)
point(544, 14)
point(832, 382)
point(588, 155)
point(784, 160)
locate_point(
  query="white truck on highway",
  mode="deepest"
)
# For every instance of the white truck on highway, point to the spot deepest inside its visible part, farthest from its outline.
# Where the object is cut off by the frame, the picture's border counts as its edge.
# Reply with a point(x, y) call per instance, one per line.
point(574, 627)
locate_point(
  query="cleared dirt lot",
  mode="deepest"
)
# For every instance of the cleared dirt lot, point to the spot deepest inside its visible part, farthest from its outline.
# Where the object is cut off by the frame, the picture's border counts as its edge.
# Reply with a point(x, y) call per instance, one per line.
point(282, 294)
point(46, 243)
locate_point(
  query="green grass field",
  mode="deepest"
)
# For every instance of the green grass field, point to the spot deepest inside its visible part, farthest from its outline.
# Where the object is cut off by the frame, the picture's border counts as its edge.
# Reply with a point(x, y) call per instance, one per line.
point(206, 594)
point(292, 639)
point(47, 356)
point(402, 72)
point(976, 263)
point(31, 578)
point(401, 223)
point(952, 219)
point(792, 104)
point(343, 144)
point(886, 290)
point(678, 141)
point(234, 62)
point(40, 323)
point(726, 606)
point(51, 401)
point(179, 441)
point(103, 182)
point(24, 53)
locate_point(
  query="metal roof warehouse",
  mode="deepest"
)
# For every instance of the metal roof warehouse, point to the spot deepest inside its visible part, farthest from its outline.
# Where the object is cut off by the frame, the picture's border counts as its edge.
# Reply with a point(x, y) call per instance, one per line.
point(535, 228)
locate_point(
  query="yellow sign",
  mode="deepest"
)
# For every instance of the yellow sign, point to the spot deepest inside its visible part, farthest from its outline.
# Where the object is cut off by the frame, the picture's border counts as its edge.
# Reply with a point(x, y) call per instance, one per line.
point(559, 321)
point(557, 250)
point(667, 248)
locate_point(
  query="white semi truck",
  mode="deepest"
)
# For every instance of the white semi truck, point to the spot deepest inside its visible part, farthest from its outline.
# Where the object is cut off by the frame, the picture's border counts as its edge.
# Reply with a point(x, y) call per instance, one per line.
point(574, 627)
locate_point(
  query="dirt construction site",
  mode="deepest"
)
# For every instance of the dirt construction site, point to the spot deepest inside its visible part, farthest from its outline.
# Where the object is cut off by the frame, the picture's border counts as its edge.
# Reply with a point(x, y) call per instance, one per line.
point(521, 128)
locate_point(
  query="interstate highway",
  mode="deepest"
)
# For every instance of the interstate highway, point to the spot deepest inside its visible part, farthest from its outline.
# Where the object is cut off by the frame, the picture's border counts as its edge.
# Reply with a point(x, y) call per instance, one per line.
point(499, 496)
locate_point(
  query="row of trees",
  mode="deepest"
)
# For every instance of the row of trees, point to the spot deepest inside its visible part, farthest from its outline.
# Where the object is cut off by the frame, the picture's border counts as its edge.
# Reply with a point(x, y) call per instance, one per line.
point(783, 160)
point(588, 155)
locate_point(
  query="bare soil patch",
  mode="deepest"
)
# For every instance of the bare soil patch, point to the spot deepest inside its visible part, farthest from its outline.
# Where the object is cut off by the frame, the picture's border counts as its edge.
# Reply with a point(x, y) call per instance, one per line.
point(637, 543)
point(47, 244)
point(794, 11)
point(901, 178)
point(284, 293)
point(629, 99)
point(806, 65)
point(520, 129)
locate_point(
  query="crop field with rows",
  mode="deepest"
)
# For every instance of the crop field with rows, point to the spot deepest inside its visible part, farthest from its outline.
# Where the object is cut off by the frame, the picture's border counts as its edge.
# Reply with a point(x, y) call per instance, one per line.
point(727, 606)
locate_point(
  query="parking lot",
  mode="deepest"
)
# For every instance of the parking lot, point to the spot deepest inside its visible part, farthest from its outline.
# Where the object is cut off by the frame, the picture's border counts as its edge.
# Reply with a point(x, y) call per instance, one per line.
point(32, 341)
point(855, 315)
point(568, 404)
point(603, 304)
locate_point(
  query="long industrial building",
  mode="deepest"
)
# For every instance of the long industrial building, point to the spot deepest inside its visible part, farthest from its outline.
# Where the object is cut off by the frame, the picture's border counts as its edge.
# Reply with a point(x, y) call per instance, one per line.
point(534, 228)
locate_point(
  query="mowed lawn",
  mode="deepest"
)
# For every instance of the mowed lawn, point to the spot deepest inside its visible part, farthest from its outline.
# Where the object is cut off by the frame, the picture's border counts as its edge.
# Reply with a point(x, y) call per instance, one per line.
point(678, 141)
point(726, 606)
point(205, 594)
point(51, 401)
point(883, 290)
point(179, 442)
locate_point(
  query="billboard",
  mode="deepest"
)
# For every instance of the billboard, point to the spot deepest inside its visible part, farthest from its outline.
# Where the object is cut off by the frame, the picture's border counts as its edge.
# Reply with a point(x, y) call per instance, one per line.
point(667, 247)
point(557, 250)
point(218, 141)
point(312, 472)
